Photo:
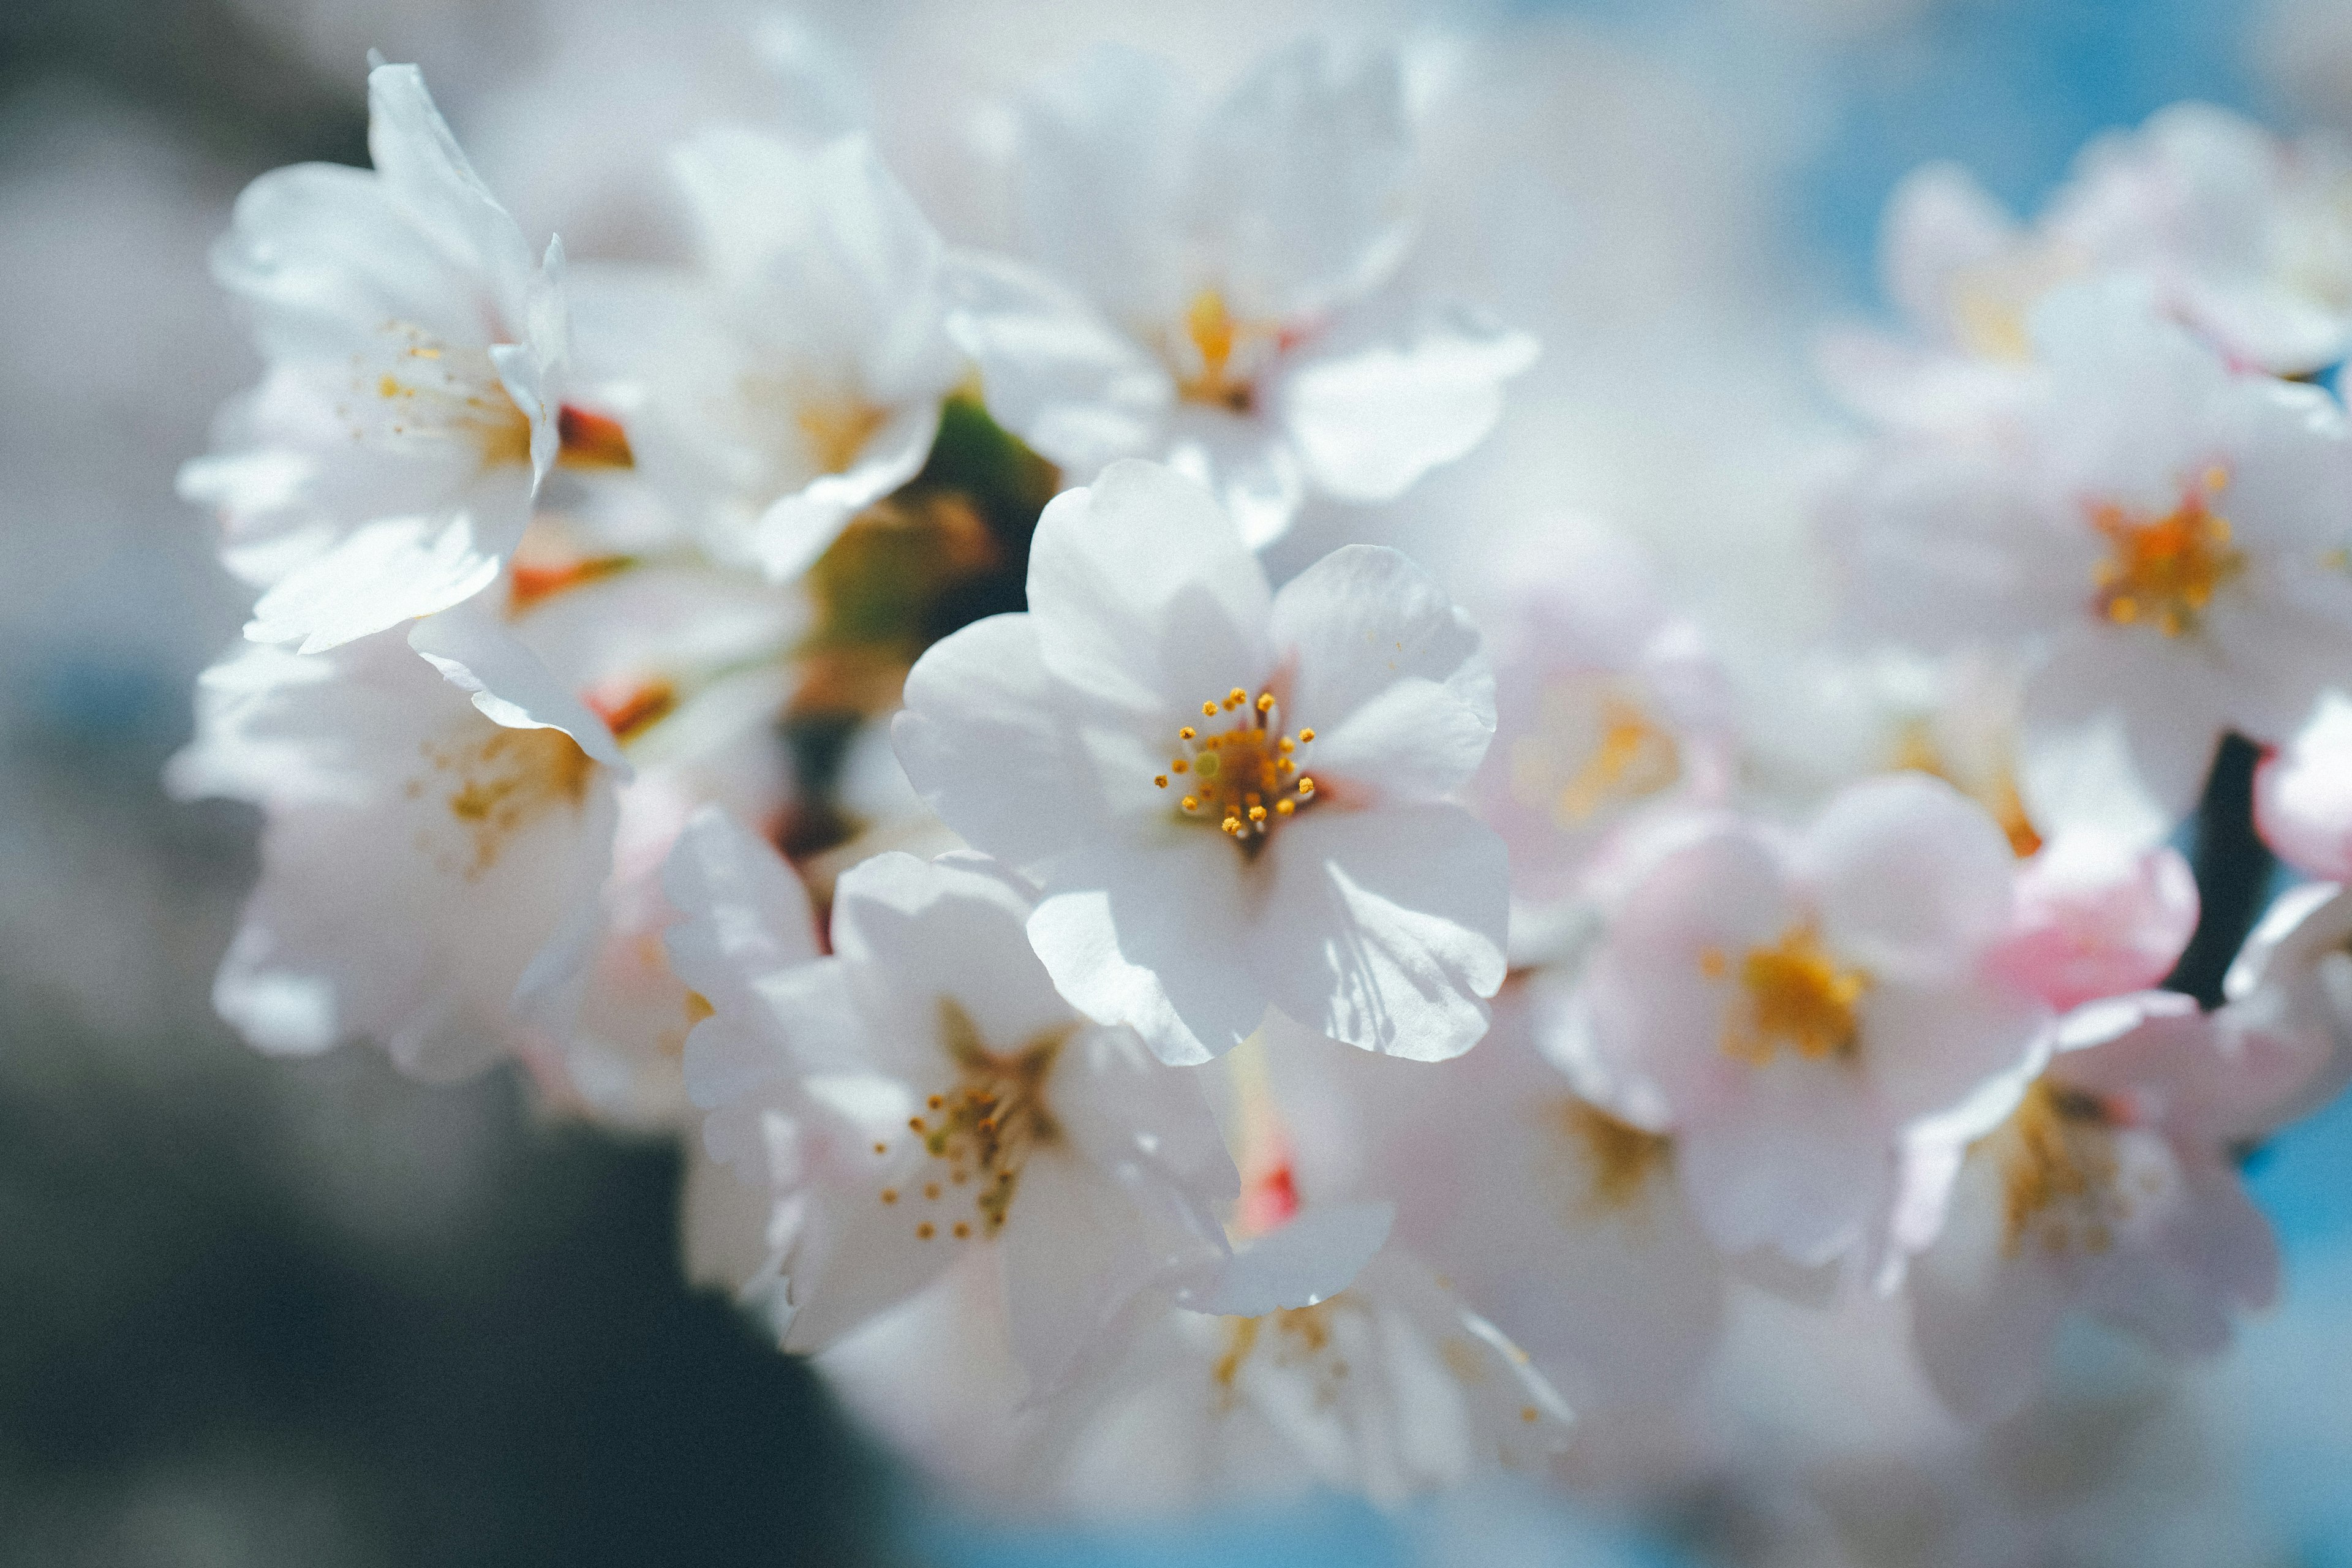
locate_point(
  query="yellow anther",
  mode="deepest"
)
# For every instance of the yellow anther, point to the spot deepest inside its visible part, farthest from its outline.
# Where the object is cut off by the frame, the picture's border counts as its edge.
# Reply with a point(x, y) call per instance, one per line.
point(1208, 710)
point(1257, 814)
point(924, 1232)
point(1306, 784)
point(1266, 702)
point(1159, 779)
point(1304, 735)
point(1284, 807)
point(1236, 697)
point(1191, 804)
point(1179, 765)
point(1186, 733)
point(1286, 744)
point(889, 1195)
point(962, 1230)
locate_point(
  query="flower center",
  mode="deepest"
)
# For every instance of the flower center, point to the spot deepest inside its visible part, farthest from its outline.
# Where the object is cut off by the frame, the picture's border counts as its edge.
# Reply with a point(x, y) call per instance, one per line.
point(499, 782)
point(2164, 571)
point(838, 432)
point(1613, 1160)
point(1795, 997)
point(1591, 749)
point(1244, 778)
point(429, 390)
point(2058, 1173)
point(979, 1132)
point(1216, 358)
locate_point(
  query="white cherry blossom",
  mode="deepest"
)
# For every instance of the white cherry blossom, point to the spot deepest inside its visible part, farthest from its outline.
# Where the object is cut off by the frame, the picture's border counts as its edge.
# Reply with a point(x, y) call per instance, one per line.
point(1232, 799)
point(1810, 1015)
point(2161, 536)
point(384, 468)
point(1216, 286)
point(924, 1090)
point(2111, 1189)
point(426, 873)
point(796, 376)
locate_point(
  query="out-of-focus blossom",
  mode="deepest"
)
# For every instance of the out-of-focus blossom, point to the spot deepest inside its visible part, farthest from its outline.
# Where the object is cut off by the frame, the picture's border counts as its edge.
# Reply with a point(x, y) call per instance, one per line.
point(924, 1089)
point(798, 377)
point(1217, 286)
point(2293, 976)
point(2302, 793)
point(2097, 917)
point(1231, 798)
point(426, 871)
point(384, 468)
point(2110, 1189)
point(1805, 1014)
point(1609, 708)
point(2156, 531)
point(2236, 235)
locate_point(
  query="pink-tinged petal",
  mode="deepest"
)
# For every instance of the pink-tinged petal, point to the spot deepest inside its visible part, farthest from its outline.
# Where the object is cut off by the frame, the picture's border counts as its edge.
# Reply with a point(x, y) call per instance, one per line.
point(2118, 730)
point(1054, 371)
point(1384, 929)
point(1301, 181)
point(2095, 917)
point(1312, 1258)
point(1151, 935)
point(2290, 988)
point(1142, 593)
point(1379, 404)
point(475, 652)
point(388, 571)
point(985, 741)
point(2303, 794)
point(1801, 1162)
point(1389, 674)
point(1913, 878)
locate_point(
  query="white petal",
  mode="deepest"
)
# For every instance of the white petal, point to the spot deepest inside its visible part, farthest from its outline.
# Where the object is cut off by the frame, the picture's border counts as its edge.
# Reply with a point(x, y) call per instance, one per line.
point(1384, 929)
point(475, 652)
point(1372, 411)
point(1802, 1163)
point(1389, 673)
point(1141, 591)
point(388, 571)
point(423, 171)
point(798, 528)
point(1928, 1049)
point(1055, 371)
point(1913, 878)
point(1072, 1258)
point(1150, 936)
point(986, 743)
point(1312, 1258)
point(2116, 732)
point(1302, 179)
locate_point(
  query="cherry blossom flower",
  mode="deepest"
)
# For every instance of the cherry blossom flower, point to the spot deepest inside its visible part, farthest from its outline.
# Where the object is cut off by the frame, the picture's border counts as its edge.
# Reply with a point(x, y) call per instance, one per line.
point(2111, 1189)
point(1230, 799)
point(1802, 1012)
point(2156, 533)
point(426, 873)
point(1609, 709)
point(1217, 287)
point(924, 1089)
point(798, 376)
point(2235, 234)
point(2292, 978)
point(384, 468)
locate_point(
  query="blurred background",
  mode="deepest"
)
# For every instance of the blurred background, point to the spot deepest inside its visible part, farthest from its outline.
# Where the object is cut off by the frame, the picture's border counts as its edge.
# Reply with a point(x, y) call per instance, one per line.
point(262, 1313)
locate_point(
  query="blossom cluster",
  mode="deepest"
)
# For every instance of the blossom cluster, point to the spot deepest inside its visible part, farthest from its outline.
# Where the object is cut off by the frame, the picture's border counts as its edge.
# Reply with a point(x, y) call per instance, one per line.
point(1154, 1029)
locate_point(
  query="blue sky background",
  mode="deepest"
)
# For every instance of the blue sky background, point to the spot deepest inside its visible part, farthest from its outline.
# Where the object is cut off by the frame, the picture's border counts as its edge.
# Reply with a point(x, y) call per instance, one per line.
point(2012, 88)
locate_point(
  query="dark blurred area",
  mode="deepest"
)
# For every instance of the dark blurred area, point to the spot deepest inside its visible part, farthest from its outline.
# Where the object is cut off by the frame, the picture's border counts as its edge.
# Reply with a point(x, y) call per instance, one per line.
point(262, 1313)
